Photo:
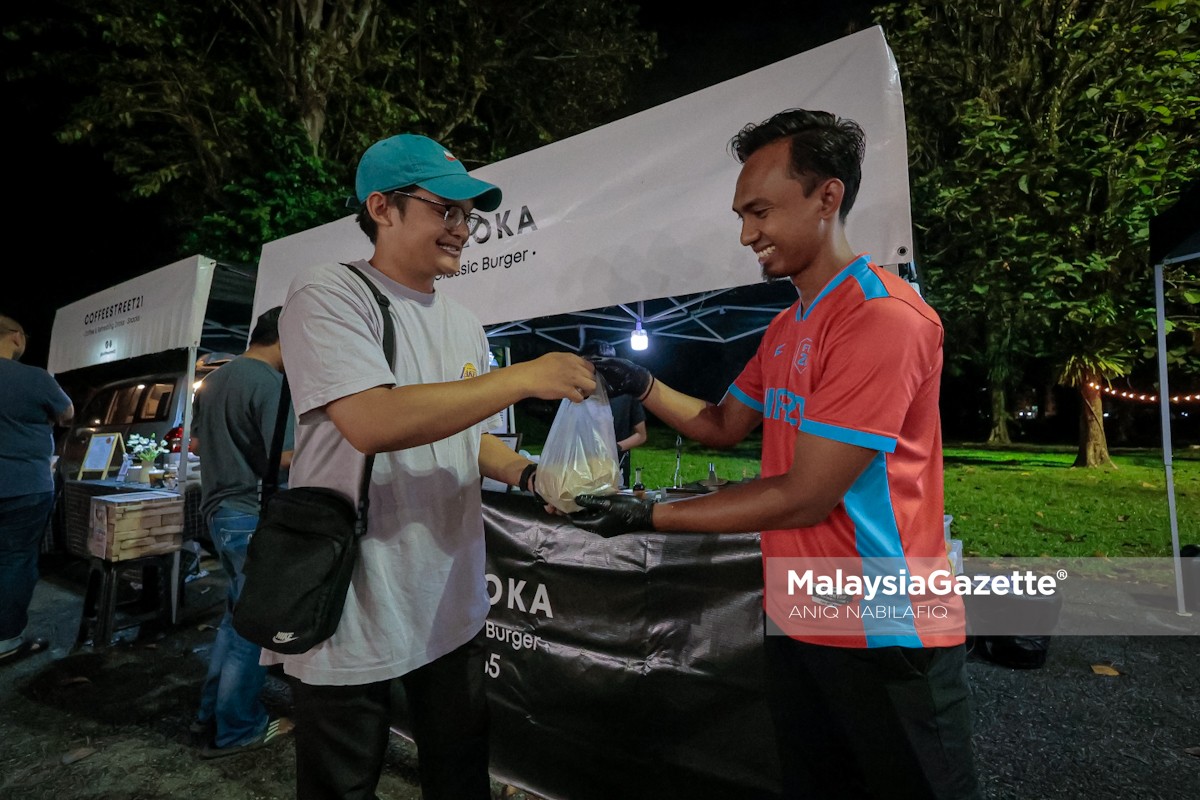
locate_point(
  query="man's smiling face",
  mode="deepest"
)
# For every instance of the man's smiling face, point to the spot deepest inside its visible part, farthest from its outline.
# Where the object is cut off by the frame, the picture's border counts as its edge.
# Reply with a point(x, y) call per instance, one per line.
point(425, 242)
point(780, 223)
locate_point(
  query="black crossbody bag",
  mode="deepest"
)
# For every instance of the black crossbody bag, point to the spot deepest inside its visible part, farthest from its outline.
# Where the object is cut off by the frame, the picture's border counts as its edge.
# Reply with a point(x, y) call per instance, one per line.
point(301, 557)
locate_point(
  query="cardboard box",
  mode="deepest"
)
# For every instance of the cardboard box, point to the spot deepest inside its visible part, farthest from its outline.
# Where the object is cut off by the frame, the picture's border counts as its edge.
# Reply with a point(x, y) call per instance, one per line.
point(135, 524)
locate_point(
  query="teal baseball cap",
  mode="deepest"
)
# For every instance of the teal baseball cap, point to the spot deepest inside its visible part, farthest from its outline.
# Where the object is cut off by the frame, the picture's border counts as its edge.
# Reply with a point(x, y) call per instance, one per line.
point(412, 160)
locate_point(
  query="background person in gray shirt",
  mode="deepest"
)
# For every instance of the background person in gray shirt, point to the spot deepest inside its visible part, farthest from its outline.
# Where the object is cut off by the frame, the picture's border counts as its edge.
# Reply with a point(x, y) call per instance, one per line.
point(235, 410)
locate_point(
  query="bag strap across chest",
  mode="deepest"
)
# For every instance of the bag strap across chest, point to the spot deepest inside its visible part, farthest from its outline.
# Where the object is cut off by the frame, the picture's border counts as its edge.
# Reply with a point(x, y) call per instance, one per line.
point(270, 482)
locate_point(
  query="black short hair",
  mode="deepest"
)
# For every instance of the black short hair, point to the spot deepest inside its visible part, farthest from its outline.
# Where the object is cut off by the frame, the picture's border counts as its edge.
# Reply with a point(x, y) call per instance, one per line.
point(822, 146)
point(368, 225)
point(266, 329)
point(597, 347)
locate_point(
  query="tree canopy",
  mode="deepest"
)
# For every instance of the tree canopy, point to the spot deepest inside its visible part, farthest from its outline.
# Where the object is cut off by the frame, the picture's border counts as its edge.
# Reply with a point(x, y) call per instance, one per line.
point(1044, 135)
point(246, 118)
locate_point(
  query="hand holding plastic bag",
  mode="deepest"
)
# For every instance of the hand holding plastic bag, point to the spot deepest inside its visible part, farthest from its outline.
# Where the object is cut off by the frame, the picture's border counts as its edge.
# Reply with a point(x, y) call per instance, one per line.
point(580, 454)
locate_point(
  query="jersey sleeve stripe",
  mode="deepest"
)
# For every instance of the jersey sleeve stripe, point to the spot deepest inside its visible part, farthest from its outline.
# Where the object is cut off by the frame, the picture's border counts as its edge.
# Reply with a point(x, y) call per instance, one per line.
point(872, 441)
point(745, 399)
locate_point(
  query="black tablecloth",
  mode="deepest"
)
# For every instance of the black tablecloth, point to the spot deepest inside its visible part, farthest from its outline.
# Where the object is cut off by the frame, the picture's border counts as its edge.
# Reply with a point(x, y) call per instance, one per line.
point(628, 667)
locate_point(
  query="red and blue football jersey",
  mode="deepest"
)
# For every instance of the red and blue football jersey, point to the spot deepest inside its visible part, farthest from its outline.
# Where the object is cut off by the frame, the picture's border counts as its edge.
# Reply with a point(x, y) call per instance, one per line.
point(860, 364)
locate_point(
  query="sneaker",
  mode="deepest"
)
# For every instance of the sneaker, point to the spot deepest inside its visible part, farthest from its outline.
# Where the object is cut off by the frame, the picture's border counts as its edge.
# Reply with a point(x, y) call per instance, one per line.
point(277, 728)
point(27, 647)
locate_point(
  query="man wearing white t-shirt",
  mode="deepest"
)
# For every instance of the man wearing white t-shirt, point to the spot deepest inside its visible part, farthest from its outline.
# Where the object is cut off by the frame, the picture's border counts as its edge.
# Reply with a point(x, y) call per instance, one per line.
point(417, 602)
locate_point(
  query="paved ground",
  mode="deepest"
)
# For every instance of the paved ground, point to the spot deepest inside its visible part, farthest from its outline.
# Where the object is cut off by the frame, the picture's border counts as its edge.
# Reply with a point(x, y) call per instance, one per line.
point(111, 724)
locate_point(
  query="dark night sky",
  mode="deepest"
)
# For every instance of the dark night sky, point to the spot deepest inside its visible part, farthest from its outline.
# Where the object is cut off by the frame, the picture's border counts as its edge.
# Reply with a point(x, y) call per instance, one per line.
point(69, 232)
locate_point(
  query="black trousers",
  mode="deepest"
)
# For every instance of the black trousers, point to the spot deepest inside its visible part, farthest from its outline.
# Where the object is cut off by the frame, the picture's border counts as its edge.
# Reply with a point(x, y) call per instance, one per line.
point(342, 732)
point(887, 723)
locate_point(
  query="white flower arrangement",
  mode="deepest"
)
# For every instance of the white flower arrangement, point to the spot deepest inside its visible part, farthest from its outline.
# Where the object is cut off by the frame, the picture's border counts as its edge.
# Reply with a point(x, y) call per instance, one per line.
point(146, 449)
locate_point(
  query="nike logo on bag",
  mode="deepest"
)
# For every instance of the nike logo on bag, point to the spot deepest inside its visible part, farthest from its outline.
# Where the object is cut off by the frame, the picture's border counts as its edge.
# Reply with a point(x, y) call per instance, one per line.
point(283, 637)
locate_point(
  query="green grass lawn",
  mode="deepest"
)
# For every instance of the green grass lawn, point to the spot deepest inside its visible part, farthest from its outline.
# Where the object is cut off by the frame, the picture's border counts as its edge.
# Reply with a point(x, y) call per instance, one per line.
point(1032, 502)
point(1017, 501)
point(657, 456)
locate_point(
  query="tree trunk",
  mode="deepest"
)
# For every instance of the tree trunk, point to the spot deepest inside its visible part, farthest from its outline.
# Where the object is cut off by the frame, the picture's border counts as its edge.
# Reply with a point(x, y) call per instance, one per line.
point(1093, 447)
point(999, 434)
point(1050, 406)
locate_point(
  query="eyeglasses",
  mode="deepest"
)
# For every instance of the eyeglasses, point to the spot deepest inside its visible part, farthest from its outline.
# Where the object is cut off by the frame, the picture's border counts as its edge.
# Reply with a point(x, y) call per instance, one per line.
point(454, 215)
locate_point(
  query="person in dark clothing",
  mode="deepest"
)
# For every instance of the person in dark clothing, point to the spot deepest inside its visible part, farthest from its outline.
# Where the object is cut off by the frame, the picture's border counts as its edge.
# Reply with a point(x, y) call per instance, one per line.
point(629, 418)
point(31, 404)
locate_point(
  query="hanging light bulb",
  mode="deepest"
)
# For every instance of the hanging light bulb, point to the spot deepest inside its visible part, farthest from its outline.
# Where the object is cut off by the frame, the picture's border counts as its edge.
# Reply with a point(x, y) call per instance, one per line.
point(638, 339)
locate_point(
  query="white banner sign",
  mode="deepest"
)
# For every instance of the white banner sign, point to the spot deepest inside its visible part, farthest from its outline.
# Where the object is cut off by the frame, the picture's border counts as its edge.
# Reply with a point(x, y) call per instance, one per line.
point(161, 310)
point(641, 208)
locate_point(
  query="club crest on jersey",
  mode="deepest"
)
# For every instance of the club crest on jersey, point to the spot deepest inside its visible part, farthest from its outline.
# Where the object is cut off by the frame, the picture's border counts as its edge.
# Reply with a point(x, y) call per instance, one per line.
point(469, 371)
point(803, 354)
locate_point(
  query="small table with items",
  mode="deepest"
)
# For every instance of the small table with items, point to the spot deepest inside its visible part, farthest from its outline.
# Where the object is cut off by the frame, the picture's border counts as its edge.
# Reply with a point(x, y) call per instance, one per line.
point(133, 532)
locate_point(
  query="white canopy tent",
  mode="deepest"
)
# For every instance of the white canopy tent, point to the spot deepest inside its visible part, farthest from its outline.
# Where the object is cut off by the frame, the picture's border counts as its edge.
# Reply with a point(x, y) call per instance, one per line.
point(160, 310)
point(1174, 239)
point(164, 310)
point(637, 212)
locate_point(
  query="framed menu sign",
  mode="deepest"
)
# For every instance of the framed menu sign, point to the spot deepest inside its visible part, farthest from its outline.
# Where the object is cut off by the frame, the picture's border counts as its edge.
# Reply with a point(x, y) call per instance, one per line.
point(99, 455)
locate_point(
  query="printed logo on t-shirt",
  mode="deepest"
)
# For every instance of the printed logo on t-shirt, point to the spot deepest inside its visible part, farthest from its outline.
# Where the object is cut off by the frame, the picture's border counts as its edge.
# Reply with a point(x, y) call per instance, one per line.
point(784, 405)
point(803, 353)
point(469, 371)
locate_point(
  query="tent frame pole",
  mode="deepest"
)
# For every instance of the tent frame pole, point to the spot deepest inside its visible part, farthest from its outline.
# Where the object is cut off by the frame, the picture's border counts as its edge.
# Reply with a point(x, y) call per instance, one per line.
point(1164, 404)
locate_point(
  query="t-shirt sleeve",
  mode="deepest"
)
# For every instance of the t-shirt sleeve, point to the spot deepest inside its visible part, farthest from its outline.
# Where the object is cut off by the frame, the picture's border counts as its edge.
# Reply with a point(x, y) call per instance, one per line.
point(332, 345)
point(872, 367)
point(57, 401)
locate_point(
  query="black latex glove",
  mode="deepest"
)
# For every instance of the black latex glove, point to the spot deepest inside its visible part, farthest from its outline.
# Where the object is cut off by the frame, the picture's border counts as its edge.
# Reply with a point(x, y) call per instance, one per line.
point(613, 515)
point(623, 376)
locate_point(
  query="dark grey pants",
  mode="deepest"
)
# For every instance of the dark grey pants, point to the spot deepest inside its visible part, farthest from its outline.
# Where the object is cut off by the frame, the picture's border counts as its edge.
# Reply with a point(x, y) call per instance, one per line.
point(342, 731)
point(888, 722)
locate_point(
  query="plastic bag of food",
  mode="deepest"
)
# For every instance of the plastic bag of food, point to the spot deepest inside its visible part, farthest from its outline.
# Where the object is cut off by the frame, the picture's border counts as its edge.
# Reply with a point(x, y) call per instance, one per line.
point(580, 454)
